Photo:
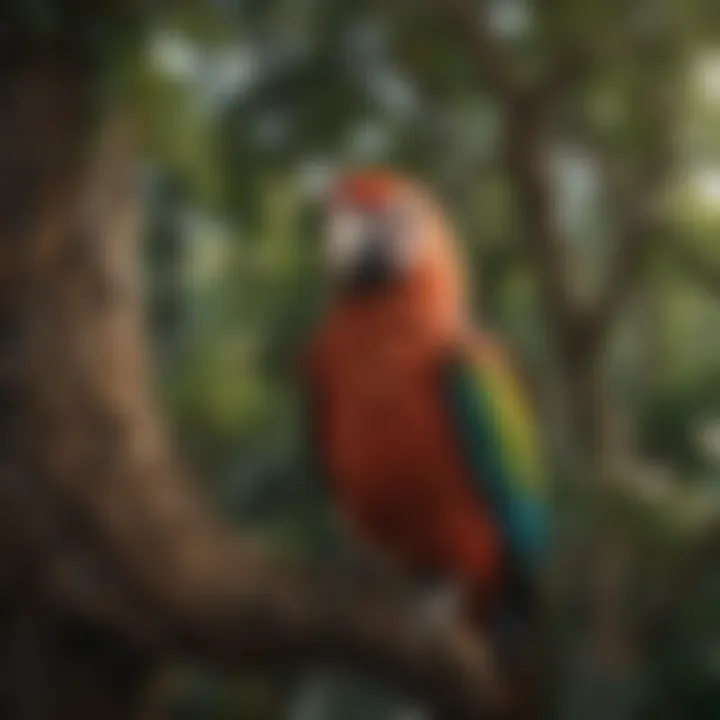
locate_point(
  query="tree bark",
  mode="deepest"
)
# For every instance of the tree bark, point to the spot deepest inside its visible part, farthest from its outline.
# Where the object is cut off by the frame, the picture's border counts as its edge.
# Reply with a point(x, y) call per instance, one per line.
point(109, 563)
point(54, 664)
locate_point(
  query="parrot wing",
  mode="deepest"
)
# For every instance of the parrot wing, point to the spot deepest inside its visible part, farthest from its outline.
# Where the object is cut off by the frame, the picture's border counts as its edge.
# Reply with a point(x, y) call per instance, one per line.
point(490, 414)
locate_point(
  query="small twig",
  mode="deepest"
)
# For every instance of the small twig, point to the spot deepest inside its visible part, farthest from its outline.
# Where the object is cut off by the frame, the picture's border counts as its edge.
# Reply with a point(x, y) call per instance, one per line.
point(493, 65)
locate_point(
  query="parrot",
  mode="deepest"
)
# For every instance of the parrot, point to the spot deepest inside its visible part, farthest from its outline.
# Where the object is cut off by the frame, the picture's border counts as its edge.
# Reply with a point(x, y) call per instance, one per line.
point(423, 431)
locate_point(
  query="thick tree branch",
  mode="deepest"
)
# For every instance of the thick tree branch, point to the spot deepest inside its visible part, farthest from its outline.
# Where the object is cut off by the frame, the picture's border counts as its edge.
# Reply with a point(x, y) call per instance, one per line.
point(525, 153)
point(96, 510)
point(523, 110)
point(266, 619)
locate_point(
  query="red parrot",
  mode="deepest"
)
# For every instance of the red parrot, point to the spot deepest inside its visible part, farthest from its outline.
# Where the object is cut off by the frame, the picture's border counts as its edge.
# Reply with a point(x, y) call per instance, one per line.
point(422, 430)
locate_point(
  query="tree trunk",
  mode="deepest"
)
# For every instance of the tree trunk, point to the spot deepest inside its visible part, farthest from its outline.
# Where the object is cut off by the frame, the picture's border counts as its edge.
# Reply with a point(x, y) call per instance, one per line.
point(109, 563)
point(55, 662)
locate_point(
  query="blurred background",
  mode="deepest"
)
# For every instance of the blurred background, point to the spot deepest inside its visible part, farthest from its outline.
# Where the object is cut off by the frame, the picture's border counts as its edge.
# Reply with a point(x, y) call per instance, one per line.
point(575, 144)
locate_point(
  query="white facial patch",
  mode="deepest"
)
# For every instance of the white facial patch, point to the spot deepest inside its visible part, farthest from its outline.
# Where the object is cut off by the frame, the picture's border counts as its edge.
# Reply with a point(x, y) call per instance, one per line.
point(345, 240)
point(351, 234)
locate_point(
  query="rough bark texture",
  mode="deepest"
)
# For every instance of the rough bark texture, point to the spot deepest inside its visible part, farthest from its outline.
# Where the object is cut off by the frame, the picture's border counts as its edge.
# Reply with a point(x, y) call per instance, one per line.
point(109, 563)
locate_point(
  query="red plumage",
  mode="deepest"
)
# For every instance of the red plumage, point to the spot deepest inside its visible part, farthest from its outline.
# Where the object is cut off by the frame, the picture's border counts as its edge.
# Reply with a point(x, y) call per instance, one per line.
point(385, 441)
point(368, 190)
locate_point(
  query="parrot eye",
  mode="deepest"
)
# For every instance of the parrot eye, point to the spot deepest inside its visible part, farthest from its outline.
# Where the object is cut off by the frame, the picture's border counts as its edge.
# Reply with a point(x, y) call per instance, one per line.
point(366, 248)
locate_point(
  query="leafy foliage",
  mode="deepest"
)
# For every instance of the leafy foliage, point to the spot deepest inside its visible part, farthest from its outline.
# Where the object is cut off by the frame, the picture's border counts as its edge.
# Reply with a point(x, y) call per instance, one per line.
point(249, 105)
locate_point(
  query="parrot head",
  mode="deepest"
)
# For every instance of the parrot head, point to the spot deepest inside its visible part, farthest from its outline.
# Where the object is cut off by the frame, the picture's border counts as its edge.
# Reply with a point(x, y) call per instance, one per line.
point(385, 233)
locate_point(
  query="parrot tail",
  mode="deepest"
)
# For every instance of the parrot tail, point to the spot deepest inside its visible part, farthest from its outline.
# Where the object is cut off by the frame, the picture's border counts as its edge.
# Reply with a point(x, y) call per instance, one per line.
point(511, 623)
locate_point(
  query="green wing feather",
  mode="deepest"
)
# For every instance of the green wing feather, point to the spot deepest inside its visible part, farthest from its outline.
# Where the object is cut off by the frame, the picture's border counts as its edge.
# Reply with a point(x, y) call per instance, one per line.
point(491, 416)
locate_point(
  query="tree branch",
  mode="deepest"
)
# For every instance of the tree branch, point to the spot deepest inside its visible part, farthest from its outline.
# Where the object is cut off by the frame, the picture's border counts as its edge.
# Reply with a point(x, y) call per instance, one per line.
point(528, 166)
point(273, 619)
point(494, 67)
point(117, 538)
point(524, 152)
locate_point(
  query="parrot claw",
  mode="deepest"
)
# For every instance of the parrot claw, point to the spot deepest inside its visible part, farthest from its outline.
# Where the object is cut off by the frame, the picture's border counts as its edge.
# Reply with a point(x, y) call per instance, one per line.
point(441, 606)
point(445, 610)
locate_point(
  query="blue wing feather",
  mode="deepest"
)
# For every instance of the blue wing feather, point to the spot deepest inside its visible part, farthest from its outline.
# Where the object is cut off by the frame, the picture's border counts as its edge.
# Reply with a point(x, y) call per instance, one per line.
point(496, 434)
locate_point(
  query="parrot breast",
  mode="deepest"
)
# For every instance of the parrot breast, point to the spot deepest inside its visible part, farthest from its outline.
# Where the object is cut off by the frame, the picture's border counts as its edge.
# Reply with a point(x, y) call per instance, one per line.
point(393, 463)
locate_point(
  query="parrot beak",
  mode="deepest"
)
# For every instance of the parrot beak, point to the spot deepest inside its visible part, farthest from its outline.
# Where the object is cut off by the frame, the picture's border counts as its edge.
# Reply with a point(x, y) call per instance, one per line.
point(374, 269)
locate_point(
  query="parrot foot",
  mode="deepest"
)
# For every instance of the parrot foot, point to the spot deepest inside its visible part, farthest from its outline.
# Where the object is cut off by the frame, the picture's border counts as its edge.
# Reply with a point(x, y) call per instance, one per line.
point(442, 605)
point(445, 610)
